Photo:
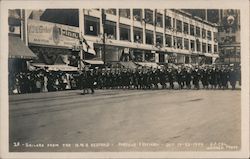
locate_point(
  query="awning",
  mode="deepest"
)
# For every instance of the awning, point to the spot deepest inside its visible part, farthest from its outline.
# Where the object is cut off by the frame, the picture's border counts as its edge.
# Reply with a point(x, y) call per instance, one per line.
point(17, 49)
point(211, 55)
point(55, 67)
point(148, 64)
point(208, 55)
point(94, 62)
point(129, 64)
point(90, 49)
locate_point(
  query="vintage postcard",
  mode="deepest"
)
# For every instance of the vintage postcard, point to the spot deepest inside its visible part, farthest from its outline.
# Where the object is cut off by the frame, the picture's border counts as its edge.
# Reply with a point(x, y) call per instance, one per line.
point(124, 79)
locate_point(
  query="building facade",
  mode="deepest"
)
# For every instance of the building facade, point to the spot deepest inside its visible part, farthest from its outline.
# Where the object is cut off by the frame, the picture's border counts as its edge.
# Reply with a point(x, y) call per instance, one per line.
point(229, 36)
point(157, 36)
point(161, 36)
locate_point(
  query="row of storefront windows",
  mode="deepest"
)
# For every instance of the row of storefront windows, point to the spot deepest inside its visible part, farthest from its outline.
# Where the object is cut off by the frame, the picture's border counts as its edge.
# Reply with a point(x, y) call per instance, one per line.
point(92, 27)
point(186, 28)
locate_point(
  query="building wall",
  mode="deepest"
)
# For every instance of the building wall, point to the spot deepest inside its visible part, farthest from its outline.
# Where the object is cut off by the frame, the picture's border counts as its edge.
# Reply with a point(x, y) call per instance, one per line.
point(131, 22)
point(229, 36)
point(119, 20)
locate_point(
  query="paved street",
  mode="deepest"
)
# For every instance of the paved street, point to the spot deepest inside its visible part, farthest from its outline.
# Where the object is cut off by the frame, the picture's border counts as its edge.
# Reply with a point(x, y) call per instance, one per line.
point(126, 120)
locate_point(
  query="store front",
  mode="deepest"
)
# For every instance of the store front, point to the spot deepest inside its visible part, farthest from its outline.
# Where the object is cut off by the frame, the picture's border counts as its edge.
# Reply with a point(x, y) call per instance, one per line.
point(57, 44)
point(19, 55)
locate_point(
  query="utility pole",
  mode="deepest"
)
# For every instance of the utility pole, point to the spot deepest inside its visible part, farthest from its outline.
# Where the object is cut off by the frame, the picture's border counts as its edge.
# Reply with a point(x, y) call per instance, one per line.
point(81, 25)
point(103, 36)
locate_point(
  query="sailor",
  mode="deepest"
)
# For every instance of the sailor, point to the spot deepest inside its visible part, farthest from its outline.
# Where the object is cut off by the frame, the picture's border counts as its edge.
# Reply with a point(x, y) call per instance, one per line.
point(196, 77)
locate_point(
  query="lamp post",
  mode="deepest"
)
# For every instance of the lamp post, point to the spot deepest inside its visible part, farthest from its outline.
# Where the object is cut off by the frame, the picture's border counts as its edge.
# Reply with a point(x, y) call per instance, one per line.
point(103, 36)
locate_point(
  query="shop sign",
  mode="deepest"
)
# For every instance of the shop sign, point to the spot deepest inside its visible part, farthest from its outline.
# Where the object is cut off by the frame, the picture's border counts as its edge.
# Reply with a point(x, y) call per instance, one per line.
point(46, 33)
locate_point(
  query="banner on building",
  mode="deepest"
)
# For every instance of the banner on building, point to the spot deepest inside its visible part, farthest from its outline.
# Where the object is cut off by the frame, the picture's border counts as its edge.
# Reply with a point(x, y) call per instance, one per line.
point(46, 33)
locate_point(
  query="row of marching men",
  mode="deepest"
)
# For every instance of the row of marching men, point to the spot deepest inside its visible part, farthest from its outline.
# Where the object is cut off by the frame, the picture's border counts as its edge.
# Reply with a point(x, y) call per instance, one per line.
point(207, 77)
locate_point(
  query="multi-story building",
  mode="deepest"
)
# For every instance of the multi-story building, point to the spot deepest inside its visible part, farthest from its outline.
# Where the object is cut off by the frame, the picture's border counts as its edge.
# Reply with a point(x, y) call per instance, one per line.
point(139, 35)
point(228, 21)
point(229, 36)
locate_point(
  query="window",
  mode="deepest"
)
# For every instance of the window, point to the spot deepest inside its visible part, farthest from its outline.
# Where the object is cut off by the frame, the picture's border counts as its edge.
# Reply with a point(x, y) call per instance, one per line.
point(149, 37)
point(233, 39)
point(110, 29)
point(92, 25)
point(209, 35)
point(168, 40)
point(168, 22)
point(203, 33)
point(178, 42)
point(209, 48)
point(159, 39)
point(174, 23)
point(124, 32)
point(215, 37)
point(137, 14)
point(215, 48)
point(159, 21)
point(204, 47)
point(198, 45)
point(138, 35)
point(186, 44)
point(185, 28)
point(179, 26)
point(149, 57)
point(111, 11)
point(198, 32)
point(192, 45)
point(192, 30)
point(124, 13)
point(149, 16)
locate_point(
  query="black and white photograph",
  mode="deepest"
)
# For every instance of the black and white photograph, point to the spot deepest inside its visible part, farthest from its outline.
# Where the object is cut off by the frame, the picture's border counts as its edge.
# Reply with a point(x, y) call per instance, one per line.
point(126, 79)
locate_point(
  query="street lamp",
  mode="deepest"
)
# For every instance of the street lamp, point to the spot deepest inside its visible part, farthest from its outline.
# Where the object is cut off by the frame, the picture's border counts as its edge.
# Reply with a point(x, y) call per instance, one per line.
point(103, 36)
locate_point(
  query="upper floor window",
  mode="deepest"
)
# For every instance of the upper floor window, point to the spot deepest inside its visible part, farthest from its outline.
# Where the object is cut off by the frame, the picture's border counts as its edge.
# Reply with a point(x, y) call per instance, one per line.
point(138, 35)
point(198, 32)
point(168, 22)
point(92, 25)
point(159, 39)
point(124, 13)
point(137, 14)
point(178, 42)
point(198, 45)
point(111, 11)
point(192, 45)
point(209, 35)
point(178, 26)
point(215, 48)
point(186, 44)
point(203, 33)
point(125, 32)
point(110, 29)
point(159, 20)
point(185, 28)
point(204, 47)
point(168, 40)
point(149, 16)
point(209, 48)
point(149, 37)
point(192, 30)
